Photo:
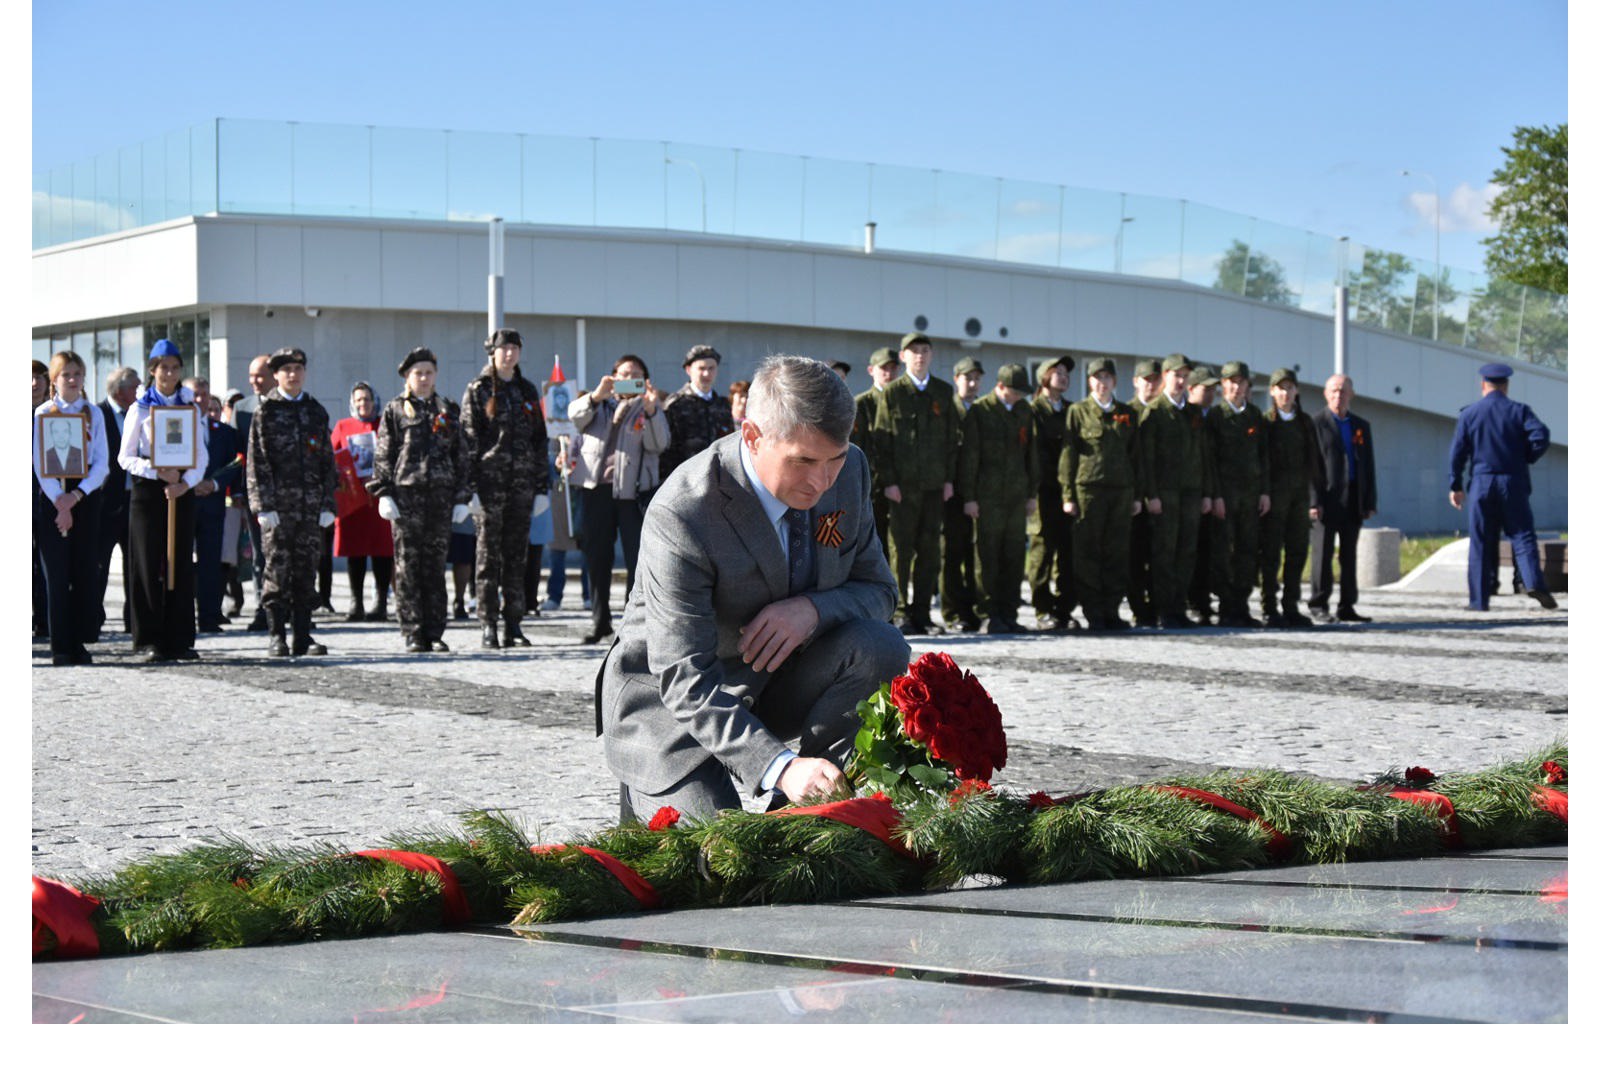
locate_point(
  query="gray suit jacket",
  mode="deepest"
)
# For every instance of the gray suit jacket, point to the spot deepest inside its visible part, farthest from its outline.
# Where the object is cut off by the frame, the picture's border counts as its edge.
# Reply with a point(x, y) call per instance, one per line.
point(673, 689)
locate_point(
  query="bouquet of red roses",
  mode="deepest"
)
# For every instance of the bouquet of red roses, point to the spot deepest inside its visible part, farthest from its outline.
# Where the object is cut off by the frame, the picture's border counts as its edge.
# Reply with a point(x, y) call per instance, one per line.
point(930, 729)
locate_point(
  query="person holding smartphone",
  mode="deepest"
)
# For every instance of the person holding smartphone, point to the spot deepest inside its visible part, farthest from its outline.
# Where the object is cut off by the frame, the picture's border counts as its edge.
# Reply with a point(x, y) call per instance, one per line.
point(622, 431)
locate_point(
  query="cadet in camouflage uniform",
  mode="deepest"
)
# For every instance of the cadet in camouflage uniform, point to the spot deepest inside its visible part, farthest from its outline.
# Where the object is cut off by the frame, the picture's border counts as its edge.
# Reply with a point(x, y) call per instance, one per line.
point(882, 368)
point(1146, 385)
point(1176, 490)
point(291, 477)
point(915, 437)
point(1049, 528)
point(419, 476)
point(1098, 473)
point(1203, 383)
point(999, 480)
point(1238, 434)
point(958, 576)
point(696, 415)
point(508, 471)
point(1286, 530)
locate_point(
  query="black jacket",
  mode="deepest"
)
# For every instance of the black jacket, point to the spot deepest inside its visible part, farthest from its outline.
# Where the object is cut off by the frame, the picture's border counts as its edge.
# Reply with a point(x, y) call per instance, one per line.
point(114, 493)
point(1331, 488)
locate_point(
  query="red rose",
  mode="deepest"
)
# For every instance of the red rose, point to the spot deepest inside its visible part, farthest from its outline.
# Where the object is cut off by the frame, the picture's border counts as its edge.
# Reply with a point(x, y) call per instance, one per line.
point(1553, 772)
point(664, 818)
point(1419, 775)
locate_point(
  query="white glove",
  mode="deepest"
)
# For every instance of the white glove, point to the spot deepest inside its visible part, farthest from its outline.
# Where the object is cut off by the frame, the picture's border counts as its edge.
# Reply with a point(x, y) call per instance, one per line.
point(325, 519)
point(459, 514)
point(267, 519)
point(474, 507)
point(388, 508)
point(541, 504)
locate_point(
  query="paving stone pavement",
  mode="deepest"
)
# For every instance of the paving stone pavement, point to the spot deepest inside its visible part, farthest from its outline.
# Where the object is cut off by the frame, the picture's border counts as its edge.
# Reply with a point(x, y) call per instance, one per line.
point(130, 760)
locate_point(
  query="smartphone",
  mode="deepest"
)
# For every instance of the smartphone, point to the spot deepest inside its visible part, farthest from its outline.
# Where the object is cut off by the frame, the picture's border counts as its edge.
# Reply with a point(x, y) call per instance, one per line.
point(627, 386)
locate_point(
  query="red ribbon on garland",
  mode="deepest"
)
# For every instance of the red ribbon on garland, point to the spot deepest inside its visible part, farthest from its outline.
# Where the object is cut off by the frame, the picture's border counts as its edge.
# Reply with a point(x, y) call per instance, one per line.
point(1277, 844)
point(456, 908)
point(64, 911)
point(637, 887)
point(1552, 800)
point(875, 814)
point(1441, 806)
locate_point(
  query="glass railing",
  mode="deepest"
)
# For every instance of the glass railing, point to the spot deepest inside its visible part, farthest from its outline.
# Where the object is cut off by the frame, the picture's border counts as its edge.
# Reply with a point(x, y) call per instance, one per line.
point(299, 168)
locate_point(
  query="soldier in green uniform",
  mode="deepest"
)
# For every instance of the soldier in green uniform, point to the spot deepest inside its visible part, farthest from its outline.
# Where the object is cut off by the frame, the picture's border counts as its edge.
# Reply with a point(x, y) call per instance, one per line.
point(882, 368)
point(1146, 384)
point(999, 482)
point(1286, 529)
point(1176, 490)
point(1050, 557)
point(1098, 474)
point(915, 437)
point(1203, 382)
point(1237, 432)
point(958, 580)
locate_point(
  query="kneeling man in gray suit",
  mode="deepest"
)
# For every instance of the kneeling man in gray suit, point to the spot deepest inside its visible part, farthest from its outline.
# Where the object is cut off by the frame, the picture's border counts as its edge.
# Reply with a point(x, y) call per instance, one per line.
point(760, 610)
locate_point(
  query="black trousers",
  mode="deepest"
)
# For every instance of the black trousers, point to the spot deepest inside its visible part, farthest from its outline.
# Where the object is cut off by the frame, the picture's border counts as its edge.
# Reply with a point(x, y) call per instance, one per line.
point(113, 534)
point(604, 517)
point(162, 619)
point(71, 573)
point(1344, 524)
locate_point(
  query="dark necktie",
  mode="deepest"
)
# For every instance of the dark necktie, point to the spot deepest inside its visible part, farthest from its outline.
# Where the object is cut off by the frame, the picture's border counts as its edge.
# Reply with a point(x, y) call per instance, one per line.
point(800, 554)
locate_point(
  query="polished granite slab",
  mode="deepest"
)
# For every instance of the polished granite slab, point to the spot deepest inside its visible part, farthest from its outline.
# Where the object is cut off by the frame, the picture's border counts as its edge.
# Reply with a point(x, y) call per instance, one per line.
point(1466, 937)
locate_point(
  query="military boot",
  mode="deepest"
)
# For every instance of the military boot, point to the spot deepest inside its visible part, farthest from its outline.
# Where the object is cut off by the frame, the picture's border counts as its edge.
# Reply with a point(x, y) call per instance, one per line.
point(278, 644)
point(491, 637)
point(303, 645)
point(514, 636)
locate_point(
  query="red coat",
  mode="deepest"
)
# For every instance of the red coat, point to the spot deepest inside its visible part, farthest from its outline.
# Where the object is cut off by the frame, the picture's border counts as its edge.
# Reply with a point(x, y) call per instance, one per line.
point(359, 530)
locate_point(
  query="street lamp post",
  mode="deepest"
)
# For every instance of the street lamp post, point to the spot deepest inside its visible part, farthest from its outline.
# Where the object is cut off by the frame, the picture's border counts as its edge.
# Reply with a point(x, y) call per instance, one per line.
point(1122, 222)
point(1436, 270)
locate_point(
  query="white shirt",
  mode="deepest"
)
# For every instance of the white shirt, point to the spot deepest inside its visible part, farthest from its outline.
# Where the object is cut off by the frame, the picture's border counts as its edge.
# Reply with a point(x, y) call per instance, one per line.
point(1286, 416)
point(135, 454)
point(920, 383)
point(97, 460)
point(1105, 405)
point(1236, 410)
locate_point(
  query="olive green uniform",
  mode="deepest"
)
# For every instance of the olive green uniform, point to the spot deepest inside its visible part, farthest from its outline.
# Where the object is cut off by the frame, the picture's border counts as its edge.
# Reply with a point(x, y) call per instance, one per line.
point(1286, 530)
point(999, 469)
point(1239, 451)
point(1172, 463)
point(1139, 597)
point(958, 576)
point(1098, 472)
point(915, 438)
point(1050, 557)
point(861, 436)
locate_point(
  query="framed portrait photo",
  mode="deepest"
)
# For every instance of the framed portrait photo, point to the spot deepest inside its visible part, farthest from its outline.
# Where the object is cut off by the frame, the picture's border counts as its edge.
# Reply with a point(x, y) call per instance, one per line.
point(63, 446)
point(174, 437)
point(363, 449)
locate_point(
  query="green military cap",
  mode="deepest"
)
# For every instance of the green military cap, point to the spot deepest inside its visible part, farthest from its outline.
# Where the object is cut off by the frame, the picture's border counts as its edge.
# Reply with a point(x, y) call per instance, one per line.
point(1236, 368)
point(1203, 375)
point(914, 338)
point(882, 357)
point(1106, 363)
point(1014, 375)
point(1283, 374)
point(1176, 361)
point(967, 365)
point(1050, 364)
point(1145, 368)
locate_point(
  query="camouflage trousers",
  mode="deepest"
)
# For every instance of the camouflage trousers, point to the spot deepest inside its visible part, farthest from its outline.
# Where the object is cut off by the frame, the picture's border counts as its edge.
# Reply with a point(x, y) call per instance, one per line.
point(503, 547)
point(292, 551)
point(421, 543)
point(1050, 558)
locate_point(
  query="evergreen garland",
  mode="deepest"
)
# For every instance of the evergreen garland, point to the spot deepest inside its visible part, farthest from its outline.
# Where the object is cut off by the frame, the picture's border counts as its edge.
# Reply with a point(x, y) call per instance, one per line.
point(228, 893)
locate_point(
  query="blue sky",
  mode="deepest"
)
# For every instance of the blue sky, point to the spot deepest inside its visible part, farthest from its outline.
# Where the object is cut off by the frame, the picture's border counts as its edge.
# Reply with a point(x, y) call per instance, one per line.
point(1299, 114)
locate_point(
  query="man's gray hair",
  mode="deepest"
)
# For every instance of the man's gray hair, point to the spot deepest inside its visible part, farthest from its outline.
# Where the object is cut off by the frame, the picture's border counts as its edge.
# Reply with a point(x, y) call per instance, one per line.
point(194, 381)
point(789, 392)
point(121, 377)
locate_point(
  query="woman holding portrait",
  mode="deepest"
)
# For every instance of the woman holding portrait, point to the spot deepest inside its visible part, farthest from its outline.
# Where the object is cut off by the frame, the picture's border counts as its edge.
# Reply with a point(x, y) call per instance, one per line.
point(360, 533)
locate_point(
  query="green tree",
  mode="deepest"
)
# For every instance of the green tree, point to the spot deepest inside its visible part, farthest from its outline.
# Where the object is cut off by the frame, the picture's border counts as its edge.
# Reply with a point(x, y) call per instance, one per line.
point(1531, 210)
point(1252, 274)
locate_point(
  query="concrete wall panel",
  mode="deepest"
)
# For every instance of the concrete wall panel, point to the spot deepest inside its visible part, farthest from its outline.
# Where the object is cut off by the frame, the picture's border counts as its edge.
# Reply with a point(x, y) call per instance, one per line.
point(343, 267)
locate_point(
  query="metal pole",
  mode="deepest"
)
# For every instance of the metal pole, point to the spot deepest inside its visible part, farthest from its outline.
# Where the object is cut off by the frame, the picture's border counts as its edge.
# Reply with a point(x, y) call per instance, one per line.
point(871, 238)
point(581, 360)
point(497, 274)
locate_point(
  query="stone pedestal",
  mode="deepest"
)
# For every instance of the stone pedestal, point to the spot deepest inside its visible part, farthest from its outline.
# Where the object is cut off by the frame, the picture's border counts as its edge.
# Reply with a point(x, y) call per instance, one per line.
point(1377, 556)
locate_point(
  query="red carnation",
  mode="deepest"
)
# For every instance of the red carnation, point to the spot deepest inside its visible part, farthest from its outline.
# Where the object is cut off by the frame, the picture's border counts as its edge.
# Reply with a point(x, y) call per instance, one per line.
point(1553, 772)
point(1419, 775)
point(1041, 800)
point(969, 787)
point(664, 818)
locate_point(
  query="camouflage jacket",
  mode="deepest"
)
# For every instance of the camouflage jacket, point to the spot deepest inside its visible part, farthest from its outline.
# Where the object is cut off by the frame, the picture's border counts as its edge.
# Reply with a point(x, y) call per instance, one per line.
point(1052, 435)
point(916, 434)
point(693, 424)
point(421, 446)
point(1173, 453)
point(1292, 452)
point(999, 452)
point(1101, 449)
point(503, 424)
point(290, 469)
point(1239, 449)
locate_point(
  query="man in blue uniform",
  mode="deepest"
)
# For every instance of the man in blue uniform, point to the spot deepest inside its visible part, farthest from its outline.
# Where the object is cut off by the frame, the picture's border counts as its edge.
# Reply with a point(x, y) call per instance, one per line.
point(1496, 440)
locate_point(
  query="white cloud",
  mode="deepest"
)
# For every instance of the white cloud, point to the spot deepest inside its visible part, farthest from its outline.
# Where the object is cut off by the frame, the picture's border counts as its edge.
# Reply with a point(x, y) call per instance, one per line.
point(1465, 209)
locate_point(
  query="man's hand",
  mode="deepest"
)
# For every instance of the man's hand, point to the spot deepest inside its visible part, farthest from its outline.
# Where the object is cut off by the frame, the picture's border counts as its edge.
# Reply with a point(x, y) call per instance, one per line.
point(1069, 508)
point(1266, 504)
point(970, 509)
point(777, 630)
point(949, 490)
point(1153, 505)
point(891, 493)
point(807, 776)
point(205, 487)
point(1457, 498)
